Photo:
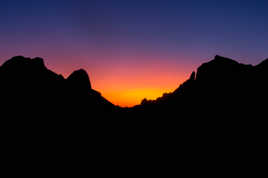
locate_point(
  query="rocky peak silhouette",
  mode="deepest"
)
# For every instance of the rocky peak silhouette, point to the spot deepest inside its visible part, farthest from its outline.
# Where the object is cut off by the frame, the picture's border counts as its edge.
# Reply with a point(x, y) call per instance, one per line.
point(218, 68)
point(80, 80)
point(21, 63)
point(25, 80)
point(220, 84)
point(212, 113)
point(217, 81)
point(25, 74)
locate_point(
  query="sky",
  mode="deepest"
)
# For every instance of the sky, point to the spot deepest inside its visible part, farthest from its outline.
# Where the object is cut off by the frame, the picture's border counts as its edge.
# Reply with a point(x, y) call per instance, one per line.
point(133, 49)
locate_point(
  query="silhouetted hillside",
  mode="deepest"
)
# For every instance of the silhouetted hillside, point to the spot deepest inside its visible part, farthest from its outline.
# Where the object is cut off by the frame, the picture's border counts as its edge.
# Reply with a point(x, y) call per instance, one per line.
point(27, 86)
point(221, 85)
point(220, 111)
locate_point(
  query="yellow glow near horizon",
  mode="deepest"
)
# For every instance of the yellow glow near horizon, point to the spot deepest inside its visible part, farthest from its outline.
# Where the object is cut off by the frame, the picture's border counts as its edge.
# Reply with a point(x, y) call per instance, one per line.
point(127, 84)
point(131, 97)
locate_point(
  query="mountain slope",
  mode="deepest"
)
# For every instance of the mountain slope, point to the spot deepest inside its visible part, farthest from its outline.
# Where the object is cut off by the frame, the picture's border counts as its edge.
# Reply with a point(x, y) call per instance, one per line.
point(28, 86)
point(219, 113)
point(221, 86)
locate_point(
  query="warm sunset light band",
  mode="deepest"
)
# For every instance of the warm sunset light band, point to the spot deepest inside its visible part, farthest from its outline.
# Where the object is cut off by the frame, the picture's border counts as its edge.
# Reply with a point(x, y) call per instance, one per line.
point(126, 84)
point(133, 49)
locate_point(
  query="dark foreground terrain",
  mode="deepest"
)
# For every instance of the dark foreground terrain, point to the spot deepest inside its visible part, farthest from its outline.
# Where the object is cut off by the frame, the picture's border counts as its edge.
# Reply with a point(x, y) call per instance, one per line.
point(220, 110)
point(221, 87)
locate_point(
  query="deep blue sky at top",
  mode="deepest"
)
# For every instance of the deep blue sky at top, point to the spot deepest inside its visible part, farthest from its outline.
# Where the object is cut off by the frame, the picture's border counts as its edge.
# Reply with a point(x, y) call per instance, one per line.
point(194, 29)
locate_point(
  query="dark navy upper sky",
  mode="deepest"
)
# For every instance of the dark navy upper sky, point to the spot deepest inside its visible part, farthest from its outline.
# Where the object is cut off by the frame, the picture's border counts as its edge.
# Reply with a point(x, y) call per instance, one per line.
point(235, 28)
point(107, 36)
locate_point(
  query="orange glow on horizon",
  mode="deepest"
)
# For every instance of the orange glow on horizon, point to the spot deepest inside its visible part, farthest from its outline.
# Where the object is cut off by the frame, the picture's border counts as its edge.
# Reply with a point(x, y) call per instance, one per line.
point(134, 96)
point(127, 88)
point(127, 83)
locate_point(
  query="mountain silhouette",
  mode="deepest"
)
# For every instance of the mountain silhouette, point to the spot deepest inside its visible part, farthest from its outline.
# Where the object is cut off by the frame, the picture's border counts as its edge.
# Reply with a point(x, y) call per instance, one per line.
point(220, 111)
point(80, 80)
point(29, 87)
point(221, 85)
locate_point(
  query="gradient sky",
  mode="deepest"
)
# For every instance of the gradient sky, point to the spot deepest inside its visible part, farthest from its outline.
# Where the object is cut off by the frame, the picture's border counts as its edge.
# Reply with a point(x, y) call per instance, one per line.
point(133, 49)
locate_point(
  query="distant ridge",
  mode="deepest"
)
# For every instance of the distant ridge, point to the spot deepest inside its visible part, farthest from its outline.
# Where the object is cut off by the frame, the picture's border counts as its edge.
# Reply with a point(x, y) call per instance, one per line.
point(80, 79)
point(222, 85)
point(24, 80)
point(220, 112)
point(220, 78)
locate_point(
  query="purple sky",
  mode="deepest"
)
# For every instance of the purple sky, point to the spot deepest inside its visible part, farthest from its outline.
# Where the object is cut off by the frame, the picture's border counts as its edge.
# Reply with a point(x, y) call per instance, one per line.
point(133, 47)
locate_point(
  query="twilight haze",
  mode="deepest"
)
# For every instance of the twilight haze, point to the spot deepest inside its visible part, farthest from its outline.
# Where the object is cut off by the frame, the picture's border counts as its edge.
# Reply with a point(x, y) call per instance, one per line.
point(133, 49)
